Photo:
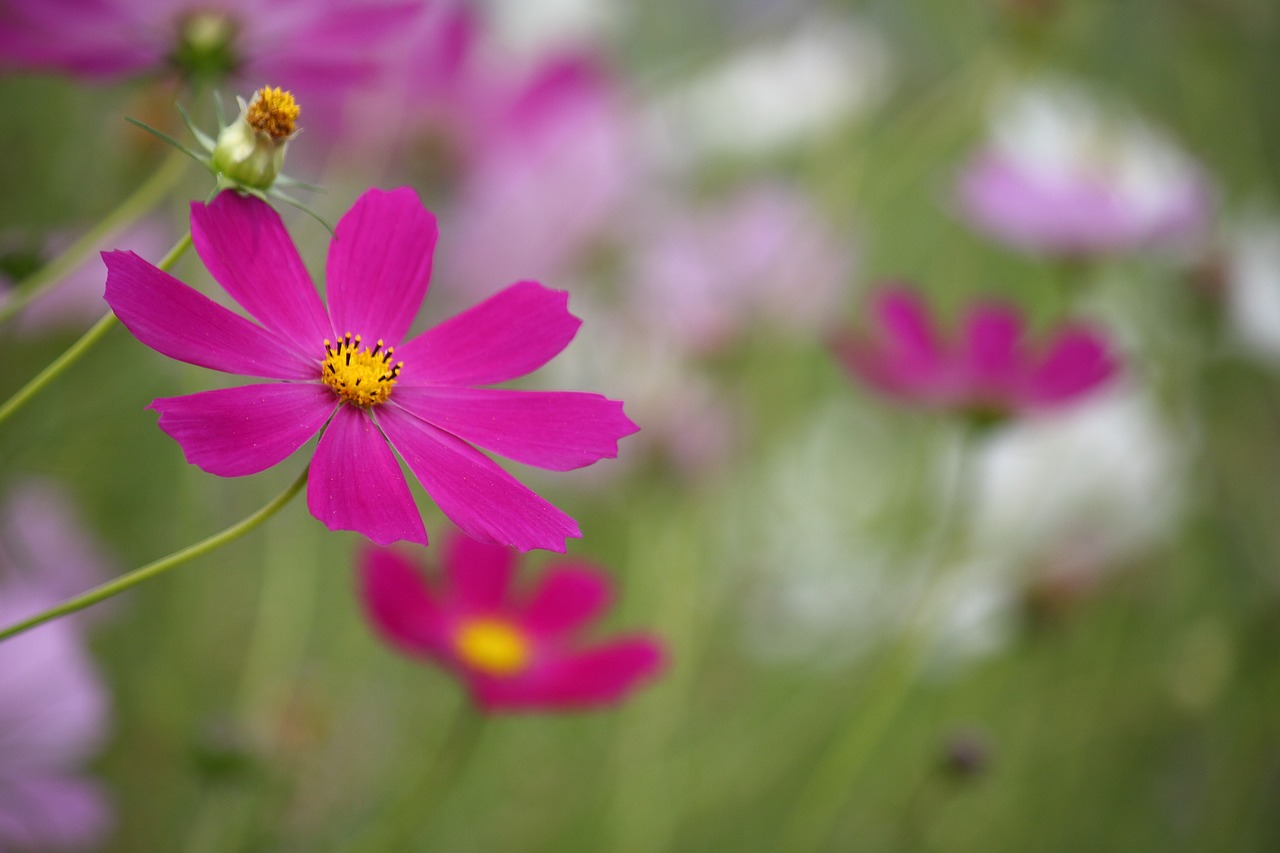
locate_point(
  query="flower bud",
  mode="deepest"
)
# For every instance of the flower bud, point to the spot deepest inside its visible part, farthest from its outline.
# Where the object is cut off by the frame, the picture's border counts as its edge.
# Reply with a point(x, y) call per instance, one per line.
point(249, 152)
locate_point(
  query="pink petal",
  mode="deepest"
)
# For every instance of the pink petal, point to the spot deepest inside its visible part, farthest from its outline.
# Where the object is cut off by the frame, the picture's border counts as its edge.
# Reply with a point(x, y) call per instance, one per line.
point(557, 430)
point(484, 501)
point(380, 264)
point(1078, 361)
point(49, 809)
point(513, 332)
point(479, 574)
point(237, 431)
point(246, 248)
point(176, 321)
point(399, 603)
point(991, 353)
point(908, 331)
point(883, 371)
point(356, 484)
point(568, 597)
point(600, 676)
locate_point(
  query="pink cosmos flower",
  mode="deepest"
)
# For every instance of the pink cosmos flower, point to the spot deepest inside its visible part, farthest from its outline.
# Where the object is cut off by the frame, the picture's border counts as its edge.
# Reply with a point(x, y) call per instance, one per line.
point(513, 651)
point(990, 369)
point(1061, 176)
point(303, 45)
point(351, 373)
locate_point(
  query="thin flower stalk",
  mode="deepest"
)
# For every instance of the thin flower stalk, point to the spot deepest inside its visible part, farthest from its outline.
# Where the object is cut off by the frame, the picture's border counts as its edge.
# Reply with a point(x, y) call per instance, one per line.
point(126, 213)
point(164, 564)
point(83, 345)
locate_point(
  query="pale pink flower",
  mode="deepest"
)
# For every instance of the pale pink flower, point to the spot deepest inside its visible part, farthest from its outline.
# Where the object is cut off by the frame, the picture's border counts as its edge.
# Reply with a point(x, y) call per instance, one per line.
point(53, 705)
point(1063, 176)
point(514, 650)
point(762, 258)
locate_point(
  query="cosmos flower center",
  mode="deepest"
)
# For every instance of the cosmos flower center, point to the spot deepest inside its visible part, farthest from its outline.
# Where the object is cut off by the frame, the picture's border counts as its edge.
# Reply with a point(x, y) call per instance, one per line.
point(361, 376)
point(492, 646)
point(273, 112)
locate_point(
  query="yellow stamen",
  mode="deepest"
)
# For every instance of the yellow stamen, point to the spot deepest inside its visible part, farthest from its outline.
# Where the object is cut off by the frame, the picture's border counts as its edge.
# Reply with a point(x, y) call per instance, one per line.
point(492, 646)
point(361, 377)
point(273, 112)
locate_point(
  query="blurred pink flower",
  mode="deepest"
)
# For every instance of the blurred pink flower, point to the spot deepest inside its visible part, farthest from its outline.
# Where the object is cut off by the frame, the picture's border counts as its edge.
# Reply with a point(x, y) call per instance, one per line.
point(53, 716)
point(53, 706)
point(764, 257)
point(533, 160)
point(309, 46)
point(514, 652)
point(990, 369)
point(1063, 177)
point(552, 174)
point(343, 377)
point(44, 545)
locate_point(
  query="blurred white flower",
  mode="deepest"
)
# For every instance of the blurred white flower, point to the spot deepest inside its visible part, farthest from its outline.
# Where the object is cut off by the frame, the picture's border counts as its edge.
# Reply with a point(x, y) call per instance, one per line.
point(1253, 294)
point(533, 27)
point(1094, 486)
point(775, 95)
point(838, 565)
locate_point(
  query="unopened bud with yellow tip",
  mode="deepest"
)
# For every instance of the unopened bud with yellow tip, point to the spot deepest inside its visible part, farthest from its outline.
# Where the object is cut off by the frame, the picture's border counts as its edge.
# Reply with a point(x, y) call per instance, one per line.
point(249, 152)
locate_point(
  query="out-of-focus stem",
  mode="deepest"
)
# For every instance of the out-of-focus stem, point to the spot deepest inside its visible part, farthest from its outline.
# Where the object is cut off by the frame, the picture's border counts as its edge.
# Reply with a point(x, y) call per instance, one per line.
point(81, 346)
point(162, 565)
point(142, 199)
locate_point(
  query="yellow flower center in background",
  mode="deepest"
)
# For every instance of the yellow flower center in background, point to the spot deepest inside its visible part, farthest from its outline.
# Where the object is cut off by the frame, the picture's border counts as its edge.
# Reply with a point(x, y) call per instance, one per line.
point(362, 377)
point(492, 646)
point(273, 112)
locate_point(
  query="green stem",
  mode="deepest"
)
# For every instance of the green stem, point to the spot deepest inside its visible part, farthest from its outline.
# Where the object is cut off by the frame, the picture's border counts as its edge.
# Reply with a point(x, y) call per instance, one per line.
point(401, 822)
point(83, 345)
point(162, 565)
point(826, 790)
point(130, 210)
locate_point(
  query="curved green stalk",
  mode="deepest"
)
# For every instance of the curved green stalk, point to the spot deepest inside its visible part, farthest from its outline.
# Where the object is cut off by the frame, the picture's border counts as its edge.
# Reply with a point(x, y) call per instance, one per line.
point(81, 346)
point(129, 211)
point(404, 819)
point(162, 565)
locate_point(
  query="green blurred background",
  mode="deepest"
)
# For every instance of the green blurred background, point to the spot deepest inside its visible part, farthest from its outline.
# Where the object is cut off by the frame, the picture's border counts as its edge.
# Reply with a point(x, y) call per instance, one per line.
point(254, 710)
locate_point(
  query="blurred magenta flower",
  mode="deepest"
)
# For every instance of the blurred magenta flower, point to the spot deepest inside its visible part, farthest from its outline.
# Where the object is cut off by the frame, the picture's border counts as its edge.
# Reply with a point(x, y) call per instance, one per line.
point(513, 651)
point(350, 373)
point(1064, 176)
point(310, 46)
point(989, 370)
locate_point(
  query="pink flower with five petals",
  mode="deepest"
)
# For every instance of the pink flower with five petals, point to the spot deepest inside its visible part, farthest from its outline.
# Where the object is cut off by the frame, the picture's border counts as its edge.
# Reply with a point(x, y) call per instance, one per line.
point(991, 370)
point(513, 652)
point(350, 373)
